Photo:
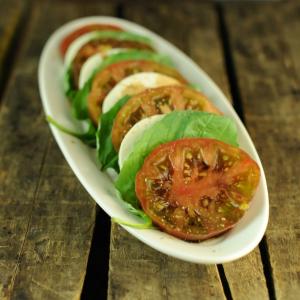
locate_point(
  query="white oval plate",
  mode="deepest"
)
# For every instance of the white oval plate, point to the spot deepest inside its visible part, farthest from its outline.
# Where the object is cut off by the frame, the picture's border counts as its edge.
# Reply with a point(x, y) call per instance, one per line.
point(231, 245)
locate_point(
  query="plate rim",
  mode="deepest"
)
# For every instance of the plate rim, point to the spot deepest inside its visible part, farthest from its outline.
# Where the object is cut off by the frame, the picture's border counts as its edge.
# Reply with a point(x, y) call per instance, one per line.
point(59, 137)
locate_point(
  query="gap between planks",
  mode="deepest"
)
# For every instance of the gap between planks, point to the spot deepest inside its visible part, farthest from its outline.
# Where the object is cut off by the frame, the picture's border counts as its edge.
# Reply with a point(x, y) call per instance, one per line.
point(31, 53)
point(238, 106)
point(96, 279)
point(265, 257)
point(226, 287)
point(98, 261)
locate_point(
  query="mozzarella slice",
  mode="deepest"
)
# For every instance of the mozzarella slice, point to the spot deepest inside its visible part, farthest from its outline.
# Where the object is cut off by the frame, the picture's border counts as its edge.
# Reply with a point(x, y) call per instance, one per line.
point(88, 68)
point(135, 84)
point(77, 44)
point(93, 63)
point(134, 135)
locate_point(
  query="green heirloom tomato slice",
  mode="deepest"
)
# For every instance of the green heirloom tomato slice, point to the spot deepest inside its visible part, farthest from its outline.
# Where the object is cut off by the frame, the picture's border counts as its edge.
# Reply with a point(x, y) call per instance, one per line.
point(196, 188)
point(156, 101)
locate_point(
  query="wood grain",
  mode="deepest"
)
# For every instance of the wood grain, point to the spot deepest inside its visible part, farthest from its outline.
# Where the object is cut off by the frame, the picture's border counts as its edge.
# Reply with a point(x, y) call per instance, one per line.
point(205, 48)
point(266, 63)
point(46, 219)
point(246, 277)
point(139, 272)
point(136, 271)
point(54, 255)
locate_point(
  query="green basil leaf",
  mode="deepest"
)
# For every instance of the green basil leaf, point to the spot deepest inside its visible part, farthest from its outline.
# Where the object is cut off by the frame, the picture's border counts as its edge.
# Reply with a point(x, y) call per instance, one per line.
point(120, 36)
point(195, 86)
point(106, 152)
point(70, 92)
point(88, 137)
point(146, 220)
point(79, 105)
point(175, 125)
point(135, 55)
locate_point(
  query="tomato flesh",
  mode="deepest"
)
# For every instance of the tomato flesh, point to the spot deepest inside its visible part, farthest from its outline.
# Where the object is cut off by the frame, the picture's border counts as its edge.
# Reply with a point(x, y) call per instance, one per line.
point(155, 101)
point(101, 46)
point(106, 79)
point(66, 42)
point(196, 188)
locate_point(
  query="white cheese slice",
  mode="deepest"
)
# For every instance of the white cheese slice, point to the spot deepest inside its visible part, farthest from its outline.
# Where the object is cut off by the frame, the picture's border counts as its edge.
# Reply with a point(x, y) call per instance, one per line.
point(88, 68)
point(77, 44)
point(134, 135)
point(93, 63)
point(135, 84)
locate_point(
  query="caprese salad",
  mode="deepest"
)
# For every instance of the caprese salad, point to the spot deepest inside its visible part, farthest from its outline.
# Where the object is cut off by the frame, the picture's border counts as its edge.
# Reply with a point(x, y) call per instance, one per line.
point(176, 155)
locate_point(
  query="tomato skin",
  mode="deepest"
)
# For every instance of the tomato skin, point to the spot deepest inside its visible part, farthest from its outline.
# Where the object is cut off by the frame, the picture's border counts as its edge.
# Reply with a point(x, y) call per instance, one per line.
point(106, 79)
point(155, 101)
point(196, 197)
point(64, 45)
point(101, 47)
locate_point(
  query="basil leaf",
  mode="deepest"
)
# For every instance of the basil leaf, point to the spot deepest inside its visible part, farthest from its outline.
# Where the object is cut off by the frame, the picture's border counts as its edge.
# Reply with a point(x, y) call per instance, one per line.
point(70, 92)
point(146, 220)
point(135, 55)
point(120, 36)
point(79, 105)
point(105, 34)
point(89, 137)
point(106, 152)
point(195, 86)
point(173, 126)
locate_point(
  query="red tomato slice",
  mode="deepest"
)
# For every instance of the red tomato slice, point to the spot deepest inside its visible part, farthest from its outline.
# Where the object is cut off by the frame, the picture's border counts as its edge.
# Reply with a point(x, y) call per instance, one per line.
point(105, 80)
point(156, 101)
point(196, 188)
point(101, 46)
point(85, 29)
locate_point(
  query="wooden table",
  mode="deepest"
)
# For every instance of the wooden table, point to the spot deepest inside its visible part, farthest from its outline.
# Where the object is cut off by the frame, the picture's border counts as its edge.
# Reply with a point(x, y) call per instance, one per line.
point(56, 244)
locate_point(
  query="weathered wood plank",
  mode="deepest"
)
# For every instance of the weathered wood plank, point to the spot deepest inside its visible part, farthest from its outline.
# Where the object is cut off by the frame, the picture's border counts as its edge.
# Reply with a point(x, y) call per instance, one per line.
point(204, 46)
point(46, 219)
point(291, 12)
point(54, 255)
point(145, 273)
point(246, 277)
point(197, 34)
point(206, 49)
point(139, 272)
point(10, 15)
point(269, 86)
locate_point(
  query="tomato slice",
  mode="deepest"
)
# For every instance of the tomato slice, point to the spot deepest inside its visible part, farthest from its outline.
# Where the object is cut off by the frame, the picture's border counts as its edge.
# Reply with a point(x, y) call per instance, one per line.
point(105, 80)
point(196, 188)
point(101, 46)
point(156, 101)
point(85, 29)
